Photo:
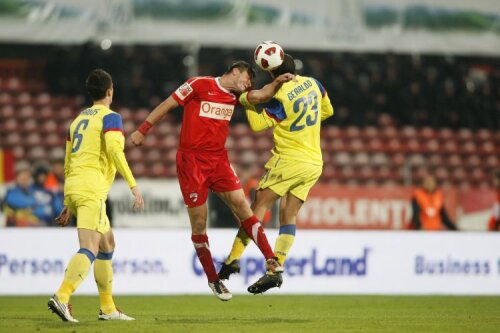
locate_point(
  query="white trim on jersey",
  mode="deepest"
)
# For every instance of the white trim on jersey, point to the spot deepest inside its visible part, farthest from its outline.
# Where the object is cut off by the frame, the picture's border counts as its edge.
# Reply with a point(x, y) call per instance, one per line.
point(217, 80)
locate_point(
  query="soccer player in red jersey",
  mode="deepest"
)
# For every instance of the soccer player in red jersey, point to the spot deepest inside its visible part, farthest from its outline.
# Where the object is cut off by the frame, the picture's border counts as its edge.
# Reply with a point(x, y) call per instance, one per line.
point(202, 161)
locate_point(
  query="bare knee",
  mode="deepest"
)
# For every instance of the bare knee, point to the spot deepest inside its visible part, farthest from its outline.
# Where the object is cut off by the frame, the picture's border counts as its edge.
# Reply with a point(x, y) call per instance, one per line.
point(199, 225)
point(241, 208)
point(107, 244)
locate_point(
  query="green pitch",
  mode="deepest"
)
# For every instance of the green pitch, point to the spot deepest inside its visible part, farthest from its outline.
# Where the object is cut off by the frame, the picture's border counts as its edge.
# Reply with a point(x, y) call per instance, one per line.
point(263, 313)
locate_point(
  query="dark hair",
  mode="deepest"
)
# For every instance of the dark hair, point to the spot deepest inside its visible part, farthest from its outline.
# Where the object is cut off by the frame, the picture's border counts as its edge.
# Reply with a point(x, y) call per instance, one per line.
point(97, 83)
point(242, 66)
point(288, 66)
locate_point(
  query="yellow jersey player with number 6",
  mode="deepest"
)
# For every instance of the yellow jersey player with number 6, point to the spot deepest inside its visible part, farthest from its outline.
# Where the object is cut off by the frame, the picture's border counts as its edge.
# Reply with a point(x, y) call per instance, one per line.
point(94, 151)
point(294, 112)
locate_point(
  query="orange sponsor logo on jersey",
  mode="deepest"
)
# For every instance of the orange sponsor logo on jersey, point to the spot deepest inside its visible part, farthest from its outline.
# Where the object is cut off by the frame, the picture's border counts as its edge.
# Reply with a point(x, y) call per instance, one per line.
point(216, 110)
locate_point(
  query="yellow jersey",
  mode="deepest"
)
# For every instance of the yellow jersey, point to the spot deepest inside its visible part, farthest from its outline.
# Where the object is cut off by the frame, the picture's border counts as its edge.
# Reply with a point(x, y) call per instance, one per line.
point(295, 113)
point(94, 151)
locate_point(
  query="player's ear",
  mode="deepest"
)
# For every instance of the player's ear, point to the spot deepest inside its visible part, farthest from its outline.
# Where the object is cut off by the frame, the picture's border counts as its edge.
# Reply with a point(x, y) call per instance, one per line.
point(235, 71)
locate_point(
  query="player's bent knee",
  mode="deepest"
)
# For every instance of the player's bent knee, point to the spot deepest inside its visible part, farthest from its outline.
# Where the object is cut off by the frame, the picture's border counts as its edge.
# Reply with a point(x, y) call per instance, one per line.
point(199, 227)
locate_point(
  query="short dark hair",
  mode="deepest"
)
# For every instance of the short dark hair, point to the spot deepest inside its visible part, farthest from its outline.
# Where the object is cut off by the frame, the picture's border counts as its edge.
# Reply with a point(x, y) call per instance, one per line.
point(242, 66)
point(288, 66)
point(97, 83)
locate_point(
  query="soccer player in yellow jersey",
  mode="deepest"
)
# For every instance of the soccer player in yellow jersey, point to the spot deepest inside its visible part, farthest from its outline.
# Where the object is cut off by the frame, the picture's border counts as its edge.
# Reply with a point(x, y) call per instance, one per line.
point(295, 113)
point(94, 151)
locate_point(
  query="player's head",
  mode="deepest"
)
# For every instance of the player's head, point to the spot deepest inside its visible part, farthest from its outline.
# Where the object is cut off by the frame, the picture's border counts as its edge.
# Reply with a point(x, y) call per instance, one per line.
point(429, 183)
point(40, 174)
point(99, 85)
point(23, 175)
point(288, 66)
point(241, 75)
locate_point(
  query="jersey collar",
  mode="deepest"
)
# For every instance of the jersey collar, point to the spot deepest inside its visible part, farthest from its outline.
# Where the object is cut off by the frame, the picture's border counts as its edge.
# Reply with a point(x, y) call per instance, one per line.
point(217, 80)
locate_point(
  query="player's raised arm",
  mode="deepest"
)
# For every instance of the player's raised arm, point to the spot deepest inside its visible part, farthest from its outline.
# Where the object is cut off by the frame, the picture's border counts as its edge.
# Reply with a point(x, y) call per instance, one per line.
point(267, 92)
point(258, 121)
point(156, 115)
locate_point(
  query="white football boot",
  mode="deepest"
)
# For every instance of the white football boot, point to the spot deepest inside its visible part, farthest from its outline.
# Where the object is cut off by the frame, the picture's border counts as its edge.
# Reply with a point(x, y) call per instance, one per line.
point(117, 315)
point(61, 309)
point(220, 290)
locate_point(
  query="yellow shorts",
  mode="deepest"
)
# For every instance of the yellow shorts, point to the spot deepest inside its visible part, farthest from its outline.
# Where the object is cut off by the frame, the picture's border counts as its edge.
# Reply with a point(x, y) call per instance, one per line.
point(283, 176)
point(90, 213)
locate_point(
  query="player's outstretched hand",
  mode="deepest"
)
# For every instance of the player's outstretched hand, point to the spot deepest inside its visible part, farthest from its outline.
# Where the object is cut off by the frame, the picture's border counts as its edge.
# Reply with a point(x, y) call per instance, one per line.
point(137, 138)
point(138, 199)
point(284, 78)
point(64, 217)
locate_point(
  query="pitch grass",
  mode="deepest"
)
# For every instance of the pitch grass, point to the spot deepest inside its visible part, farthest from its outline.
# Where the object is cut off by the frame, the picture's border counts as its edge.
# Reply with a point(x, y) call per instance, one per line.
point(263, 313)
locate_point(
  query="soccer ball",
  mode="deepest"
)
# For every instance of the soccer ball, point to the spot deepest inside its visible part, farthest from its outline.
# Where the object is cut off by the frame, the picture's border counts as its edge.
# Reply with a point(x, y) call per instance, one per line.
point(268, 55)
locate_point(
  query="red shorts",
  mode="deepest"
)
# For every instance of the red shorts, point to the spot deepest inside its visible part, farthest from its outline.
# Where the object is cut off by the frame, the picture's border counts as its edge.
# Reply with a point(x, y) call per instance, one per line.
point(198, 172)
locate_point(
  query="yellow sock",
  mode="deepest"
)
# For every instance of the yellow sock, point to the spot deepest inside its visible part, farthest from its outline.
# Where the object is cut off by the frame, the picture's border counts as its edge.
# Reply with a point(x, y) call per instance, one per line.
point(76, 272)
point(240, 243)
point(103, 274)
point(284, 242)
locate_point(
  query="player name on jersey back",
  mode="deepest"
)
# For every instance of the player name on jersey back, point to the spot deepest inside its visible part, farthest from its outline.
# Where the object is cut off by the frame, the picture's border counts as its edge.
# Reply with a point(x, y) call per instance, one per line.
point(216, 110)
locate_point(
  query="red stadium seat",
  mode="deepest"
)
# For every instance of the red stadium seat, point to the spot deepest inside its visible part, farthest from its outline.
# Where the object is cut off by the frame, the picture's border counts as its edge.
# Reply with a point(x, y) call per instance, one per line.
point(5, 98)
point(390, 132)
point(331, 132)
point(37, 153)
point(239, 130)
point(398, 159)
point(244, 142)
point(450, 147)
point(153, 155)
point(19, 152)
point(361, 159)
point(427, 133)
point(12, 138)
point(436, 160)
point(138, 168)
point(432, 145)
point(455, 160)
point(409, 132)
point(353, 132)
point(342, 159)
point(417, 160)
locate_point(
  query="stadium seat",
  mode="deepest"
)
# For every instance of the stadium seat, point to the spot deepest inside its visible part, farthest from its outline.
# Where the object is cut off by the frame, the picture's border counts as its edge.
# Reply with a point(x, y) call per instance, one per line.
point(19, 152)
point(170, 155)
point(240, 130)
point(37, 153)
point(360, 159)
point(417, 159)
point(12, 138)
point(153, 156)
point(435, 160)
point(244, 142)
point(342, 159)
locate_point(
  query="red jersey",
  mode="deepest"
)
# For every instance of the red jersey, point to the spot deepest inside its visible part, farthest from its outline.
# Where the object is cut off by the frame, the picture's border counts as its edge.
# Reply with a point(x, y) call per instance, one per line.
point(208, 108)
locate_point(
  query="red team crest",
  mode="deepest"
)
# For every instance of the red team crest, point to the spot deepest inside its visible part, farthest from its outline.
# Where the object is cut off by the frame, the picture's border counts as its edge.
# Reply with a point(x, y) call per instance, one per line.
point(184, 90)
point(193, 196)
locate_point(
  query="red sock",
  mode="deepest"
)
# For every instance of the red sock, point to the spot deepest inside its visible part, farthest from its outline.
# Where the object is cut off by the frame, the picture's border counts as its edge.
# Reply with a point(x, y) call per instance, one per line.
point(200, 243)
point(254, 230)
